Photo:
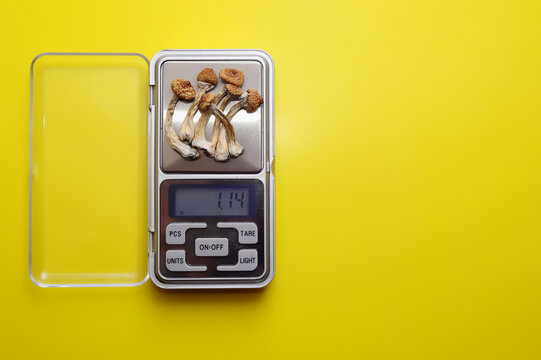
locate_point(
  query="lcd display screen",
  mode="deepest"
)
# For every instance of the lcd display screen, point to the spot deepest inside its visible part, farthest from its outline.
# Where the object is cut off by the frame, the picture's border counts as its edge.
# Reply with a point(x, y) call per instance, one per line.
point(211, 200)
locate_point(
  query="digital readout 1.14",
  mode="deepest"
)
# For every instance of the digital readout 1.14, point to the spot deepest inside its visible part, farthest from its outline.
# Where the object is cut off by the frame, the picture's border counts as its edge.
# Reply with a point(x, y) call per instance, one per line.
point(212, 201)
point(234, 199)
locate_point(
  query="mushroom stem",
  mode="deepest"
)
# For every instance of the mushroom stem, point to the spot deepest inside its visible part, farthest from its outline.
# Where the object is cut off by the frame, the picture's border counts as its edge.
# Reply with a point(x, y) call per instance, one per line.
point(217, 124)
point(235, 149)
point(235, 109)
point(184, 149)
point(206, 80)
point(187, 127)
point(233, 146)
point(199, 139)
point(213, 147)
point(219, 153)
point(250, 101)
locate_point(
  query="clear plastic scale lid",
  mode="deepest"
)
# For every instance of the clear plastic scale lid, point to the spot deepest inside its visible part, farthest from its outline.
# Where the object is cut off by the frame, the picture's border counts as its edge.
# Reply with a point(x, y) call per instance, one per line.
point(89, 170)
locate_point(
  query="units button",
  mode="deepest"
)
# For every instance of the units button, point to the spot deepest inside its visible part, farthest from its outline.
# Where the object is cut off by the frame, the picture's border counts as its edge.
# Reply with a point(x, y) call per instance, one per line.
point(175, 260)
point(211, 247)
point(247, 262)
point(247, 231)
point(175, 233)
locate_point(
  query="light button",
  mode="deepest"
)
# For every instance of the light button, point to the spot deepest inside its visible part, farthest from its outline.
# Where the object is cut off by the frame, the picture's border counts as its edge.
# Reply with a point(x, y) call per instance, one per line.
point(175, 260)
point(247, 231)
point(247, 262)
point(175, 233)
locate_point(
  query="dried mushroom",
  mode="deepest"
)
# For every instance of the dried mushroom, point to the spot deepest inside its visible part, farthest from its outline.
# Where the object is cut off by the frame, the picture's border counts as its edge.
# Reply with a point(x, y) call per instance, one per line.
point(206, 81)
point(199, 139)
point(233, 79)
point(182, 89)
point(206, 100)
point(222, 153)
point(232, 76)
point(251, 101)
point(223, 143)
point(232, 147)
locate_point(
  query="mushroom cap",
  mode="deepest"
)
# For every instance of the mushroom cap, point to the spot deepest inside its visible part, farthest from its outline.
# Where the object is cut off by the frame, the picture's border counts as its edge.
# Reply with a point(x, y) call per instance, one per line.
point(207, 75)
point(233, 90)
point(232, 76)
point(206, 100)
point(183, 89)
point(253, 100)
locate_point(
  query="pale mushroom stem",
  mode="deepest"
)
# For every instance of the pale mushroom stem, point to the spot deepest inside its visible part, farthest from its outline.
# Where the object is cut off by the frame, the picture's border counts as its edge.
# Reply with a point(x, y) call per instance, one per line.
point(235, 109)
point(199, 139)
point(235, 149)
point(184, 149)
point(233, 145)
point(213, 147)
point(221, 151)
point(222, 141)
point(187, 127)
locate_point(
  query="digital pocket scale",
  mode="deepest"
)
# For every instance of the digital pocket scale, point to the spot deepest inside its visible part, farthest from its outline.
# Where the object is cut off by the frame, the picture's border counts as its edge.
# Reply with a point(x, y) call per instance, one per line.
point(209, 223)
point(213, 223)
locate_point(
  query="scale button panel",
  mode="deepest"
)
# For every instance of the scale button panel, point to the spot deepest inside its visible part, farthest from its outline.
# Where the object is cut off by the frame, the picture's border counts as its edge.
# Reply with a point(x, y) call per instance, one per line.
point(247, 231)
point(247, 262)
point(175, 260)
point(211, 247)
point(175, 233)
point(218, 224)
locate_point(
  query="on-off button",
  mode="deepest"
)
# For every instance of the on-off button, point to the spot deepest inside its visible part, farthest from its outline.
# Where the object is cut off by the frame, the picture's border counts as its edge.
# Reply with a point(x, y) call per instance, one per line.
point(211, 247)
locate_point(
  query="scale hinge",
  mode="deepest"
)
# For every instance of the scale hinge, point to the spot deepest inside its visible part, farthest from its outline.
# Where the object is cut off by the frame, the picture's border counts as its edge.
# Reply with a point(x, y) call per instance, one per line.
point(150, 95)
point(150, 243)
point(151, 174)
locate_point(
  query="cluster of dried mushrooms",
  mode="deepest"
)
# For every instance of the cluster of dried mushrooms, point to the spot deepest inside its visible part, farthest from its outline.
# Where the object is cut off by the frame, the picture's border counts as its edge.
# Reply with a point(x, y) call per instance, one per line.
point(223, 143)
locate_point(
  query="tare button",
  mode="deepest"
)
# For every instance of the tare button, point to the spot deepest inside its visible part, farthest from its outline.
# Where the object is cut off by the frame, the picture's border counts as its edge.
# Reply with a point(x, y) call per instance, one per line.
point(175, 233)
point(247, 262)
point(247, 231)
point(211, 247)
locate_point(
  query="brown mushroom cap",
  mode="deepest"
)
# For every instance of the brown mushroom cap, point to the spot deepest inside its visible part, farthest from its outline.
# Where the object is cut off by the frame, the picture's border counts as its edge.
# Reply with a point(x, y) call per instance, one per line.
point(253, 100)
point(208, 75)
point(183, 89)
point(233, 90)
point(232, 76)
point(206, 100)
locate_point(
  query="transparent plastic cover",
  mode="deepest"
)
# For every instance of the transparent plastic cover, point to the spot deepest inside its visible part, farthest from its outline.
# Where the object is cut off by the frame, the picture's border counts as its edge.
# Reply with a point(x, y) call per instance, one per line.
point(88, 187)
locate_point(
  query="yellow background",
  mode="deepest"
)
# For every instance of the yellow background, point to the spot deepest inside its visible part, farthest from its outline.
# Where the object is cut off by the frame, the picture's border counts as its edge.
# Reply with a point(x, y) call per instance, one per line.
point(408, 144)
